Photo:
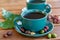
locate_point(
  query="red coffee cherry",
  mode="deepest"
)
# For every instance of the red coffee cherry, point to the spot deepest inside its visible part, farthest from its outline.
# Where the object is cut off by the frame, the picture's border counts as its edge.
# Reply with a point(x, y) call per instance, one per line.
point(55, 16)
point(46, 27)
point(55, 21)
point(45, 30)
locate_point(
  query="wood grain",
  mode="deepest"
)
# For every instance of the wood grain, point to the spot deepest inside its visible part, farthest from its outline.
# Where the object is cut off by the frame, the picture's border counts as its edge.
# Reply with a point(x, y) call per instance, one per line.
point(16, 6)
point(17, 36)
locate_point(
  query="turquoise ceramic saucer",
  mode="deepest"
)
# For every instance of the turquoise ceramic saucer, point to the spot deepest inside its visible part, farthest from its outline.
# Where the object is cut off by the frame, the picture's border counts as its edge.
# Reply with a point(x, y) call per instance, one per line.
point(51, 27)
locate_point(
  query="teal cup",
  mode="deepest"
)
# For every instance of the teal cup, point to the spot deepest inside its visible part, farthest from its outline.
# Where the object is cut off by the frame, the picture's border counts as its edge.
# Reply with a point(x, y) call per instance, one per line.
point(41, 6)
point(34, 25)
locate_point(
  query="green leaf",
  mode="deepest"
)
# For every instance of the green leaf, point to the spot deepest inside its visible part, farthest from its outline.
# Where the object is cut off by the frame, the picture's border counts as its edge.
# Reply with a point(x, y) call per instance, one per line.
point(8, 15)
point(9, 18)
point(6, 24)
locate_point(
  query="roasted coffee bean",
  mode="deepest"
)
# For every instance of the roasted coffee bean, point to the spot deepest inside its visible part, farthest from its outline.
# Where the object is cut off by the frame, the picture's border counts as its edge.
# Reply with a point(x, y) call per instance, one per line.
point(27, 32)
point(22, 29)
point(9, 33)
point(5, 35)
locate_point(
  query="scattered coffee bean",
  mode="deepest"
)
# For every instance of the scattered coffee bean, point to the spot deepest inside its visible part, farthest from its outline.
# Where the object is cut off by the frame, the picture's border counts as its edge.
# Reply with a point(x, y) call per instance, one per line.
point(45, 30)
point(55, 19)
point(9, 33)
point(5, 35)
point(49, 36)
point(54, 35)
point(27, 32)
point(32, 33)
point(50, 17)
point(22, 29)
point(46, 27)
point(41, 31)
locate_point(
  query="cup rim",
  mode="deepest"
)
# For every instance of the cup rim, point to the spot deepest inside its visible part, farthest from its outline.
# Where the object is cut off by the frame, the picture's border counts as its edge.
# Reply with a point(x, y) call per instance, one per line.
point(33, 11)
point(36, 3)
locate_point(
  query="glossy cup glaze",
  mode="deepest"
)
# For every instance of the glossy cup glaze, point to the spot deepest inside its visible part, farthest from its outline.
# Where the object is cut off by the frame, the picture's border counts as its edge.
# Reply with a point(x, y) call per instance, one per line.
point(34, 25)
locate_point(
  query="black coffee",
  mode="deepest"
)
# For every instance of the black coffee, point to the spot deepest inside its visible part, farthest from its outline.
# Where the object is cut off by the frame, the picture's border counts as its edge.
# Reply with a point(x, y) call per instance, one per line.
point(34, 15)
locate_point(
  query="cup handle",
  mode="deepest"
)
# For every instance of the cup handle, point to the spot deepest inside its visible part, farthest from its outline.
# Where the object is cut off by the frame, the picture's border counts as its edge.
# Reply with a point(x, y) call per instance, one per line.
point(48, 8)
point(18, 21)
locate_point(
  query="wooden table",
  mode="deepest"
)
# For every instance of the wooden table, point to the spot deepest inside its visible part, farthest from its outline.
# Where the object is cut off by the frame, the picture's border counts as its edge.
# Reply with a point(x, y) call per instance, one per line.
point(15, 6)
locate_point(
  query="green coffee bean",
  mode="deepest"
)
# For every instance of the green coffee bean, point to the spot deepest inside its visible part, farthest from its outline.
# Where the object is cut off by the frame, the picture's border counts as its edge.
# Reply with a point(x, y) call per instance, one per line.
point(54, 35)
point(49, 36)
point(41, 31)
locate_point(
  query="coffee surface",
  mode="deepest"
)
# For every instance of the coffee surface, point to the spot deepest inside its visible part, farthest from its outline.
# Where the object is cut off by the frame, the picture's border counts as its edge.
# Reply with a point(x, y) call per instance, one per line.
point(34, 15)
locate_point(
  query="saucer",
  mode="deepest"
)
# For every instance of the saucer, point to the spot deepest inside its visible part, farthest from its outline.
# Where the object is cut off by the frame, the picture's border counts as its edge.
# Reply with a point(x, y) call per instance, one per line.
point(49, 24)
point(47, 11)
